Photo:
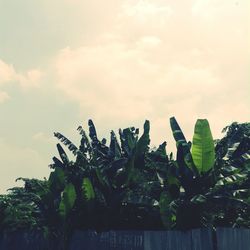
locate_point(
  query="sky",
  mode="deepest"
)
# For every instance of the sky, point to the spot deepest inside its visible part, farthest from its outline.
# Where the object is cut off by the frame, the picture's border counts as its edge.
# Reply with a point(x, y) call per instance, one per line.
point(118, 62)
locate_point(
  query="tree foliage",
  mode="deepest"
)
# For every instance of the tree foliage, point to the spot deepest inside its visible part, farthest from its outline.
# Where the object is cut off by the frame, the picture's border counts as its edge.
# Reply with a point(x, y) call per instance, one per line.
point(127, 185)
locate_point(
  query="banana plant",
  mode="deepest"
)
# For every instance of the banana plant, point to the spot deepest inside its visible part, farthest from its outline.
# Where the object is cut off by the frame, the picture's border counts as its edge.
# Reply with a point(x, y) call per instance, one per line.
point(117, 174)
point(127, 185)
point(198, 180)
point(194, 160)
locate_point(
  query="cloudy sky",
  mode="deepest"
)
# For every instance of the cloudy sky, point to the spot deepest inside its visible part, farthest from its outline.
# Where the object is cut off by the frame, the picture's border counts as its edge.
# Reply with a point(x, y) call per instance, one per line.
point(118, 62)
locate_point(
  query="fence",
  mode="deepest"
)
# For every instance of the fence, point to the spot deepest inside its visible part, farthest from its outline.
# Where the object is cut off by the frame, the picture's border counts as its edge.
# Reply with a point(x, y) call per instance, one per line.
point(198, 239)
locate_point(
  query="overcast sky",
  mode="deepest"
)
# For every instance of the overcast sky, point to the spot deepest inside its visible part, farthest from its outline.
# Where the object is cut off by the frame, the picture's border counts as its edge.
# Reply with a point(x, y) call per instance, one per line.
point(118, 62)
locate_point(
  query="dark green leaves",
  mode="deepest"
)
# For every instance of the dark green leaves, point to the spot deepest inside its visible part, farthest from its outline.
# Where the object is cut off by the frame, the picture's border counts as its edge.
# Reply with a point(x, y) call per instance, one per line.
point(88, 190)
point(57, 179)
point(66, 142)
point(62, 154)
point(143, 142)
point(92, 132)
point(177, 132)
point(114, 148)
point(183, 148)
point(126, 185)
point(167, 215)
point(68, 200)
point(142, 146)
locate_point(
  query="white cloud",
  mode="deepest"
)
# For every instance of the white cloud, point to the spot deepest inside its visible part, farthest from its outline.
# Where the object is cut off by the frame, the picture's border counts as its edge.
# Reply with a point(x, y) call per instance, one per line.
point(154, 63)
point(148, 42)
point(144, 10)
point(31, 78)
point(3, 96)
point(116, 83)
point(8, 74)
point(212, 9)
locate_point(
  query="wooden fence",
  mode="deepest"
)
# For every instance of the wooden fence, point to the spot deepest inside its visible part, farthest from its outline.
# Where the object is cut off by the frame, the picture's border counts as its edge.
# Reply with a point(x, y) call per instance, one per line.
point(198, 239)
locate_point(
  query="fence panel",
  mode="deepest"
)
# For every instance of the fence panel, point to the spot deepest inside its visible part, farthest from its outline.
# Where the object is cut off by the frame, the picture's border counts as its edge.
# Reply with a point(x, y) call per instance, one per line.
point(198, 239)
point(111, 240)
point(202, 239)
point(23, 240)
point(167, 240)
point(233, 239)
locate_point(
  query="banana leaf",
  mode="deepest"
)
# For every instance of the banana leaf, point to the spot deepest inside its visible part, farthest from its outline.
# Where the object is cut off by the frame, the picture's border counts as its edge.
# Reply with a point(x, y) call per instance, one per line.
point(181, 143)
point(68, 200)
point(203, 152)
point(62, 154)
point(88, 190)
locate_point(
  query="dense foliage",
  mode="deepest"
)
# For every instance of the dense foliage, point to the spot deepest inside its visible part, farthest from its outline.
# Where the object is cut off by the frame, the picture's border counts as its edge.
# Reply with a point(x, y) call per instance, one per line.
point(127, 185)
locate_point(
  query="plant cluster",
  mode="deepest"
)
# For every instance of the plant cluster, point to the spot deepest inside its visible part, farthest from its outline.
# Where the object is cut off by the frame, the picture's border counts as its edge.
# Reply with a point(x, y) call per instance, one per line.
point(127, 185)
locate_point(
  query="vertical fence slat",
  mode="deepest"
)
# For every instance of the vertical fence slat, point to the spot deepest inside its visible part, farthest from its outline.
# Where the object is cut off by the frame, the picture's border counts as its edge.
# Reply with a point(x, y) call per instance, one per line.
point(111, 240)
point(131, 240)
point(23, 240)
point(202, 239)
point(233, 239)
point(179, 240)
point(79, 240)
point(154, 240)
point(167, 240)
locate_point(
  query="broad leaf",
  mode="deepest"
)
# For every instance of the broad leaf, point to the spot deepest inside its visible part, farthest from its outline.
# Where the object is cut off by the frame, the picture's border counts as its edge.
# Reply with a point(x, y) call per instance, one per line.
point(128, 138)
point(143, 142)
point(57, 179)
point(182, 143)
point(88, 189)
point(165, 210)
point(57, 163)
point(177, 132)
point(68, 200)
point(71, 146)
point(203, 152)
point(114, 148)
point(142, 146)
point(92, 132)
point(62, 154)
point(85, 144)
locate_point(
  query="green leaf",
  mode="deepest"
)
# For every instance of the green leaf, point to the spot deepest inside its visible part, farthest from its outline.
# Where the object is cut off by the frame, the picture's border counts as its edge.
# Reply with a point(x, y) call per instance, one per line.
point(231, 151)
point(165, 210)
point(57, 179)
point(68, 200)
point(71, 146)
point(57, 163)
point(88, 189)
point(85, 144)
point(114, 148)
point(129, 169)
point(128, 138)
point(198, 199)
point(62, 154)
point(142, 146)
point(143, 142)
point(182, 143)
point(203, 152)
point(92, 132)
point(177, 132)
